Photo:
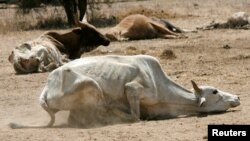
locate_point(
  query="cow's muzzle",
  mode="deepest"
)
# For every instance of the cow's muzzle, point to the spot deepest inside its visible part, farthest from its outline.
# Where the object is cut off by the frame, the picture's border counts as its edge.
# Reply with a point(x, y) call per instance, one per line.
point(106, 42)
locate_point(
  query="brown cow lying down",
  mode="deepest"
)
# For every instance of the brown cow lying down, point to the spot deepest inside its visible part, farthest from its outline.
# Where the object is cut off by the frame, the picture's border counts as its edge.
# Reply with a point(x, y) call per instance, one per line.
point(52, 49)
point(239, 20)
point(136, 27)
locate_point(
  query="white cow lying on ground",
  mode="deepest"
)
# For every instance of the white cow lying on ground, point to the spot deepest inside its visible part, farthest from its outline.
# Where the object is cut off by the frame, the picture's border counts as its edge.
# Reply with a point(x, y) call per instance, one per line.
point(39, 55)
point(239, 20)
point(109, 89)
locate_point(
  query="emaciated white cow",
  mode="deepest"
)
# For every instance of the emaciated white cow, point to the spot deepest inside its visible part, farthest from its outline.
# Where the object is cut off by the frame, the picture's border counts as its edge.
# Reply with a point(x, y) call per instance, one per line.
point(239, 20)
point(107, 89)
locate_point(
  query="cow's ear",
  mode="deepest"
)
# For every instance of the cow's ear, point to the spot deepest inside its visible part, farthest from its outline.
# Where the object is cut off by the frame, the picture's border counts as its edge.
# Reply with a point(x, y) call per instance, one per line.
point(77, 31)
point(202, 102)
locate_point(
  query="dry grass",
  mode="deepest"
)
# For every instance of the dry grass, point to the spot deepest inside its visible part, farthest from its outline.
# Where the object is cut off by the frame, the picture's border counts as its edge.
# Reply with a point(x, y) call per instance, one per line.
point(103, 14)
point(13, 19)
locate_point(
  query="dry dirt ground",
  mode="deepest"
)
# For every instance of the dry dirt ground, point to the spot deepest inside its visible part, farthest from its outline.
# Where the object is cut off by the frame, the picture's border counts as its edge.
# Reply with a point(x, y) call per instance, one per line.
point(200, 57)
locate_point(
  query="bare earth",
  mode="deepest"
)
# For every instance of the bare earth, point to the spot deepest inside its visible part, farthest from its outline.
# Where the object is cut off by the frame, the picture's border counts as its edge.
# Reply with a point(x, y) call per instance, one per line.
point(200, 57)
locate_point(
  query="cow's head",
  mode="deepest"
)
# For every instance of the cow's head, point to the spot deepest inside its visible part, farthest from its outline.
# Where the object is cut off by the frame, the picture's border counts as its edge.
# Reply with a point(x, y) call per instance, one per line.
point(90, 36)
point(211, 99)
point(83, 38)
point(23, 60)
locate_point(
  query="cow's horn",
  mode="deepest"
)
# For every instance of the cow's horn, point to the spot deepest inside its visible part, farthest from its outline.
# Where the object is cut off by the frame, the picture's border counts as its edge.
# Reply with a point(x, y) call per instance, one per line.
point(82, 24)
point(77, 22)
point(196, 88)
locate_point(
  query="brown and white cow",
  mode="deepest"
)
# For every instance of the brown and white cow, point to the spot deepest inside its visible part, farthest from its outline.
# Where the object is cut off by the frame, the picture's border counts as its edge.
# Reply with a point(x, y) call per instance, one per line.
point(53, 49)
point(136, 27)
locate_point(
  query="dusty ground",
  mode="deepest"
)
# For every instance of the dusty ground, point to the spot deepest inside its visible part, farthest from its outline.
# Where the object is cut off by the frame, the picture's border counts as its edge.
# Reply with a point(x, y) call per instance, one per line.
point(200, 57)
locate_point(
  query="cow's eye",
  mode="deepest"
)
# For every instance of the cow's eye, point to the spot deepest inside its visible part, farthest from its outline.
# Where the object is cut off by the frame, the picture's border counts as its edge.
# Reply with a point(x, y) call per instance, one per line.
point(215, 92)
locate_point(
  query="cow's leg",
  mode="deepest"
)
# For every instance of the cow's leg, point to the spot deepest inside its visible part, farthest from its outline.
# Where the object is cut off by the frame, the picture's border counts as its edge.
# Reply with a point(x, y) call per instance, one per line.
point(126, 35)
point(169, 37)
point(51, 66)
point(123, 39)
point(173, 36)
point(51, 61)
point(51, 112)
point(54, 59)
point(123, 36)
point(162, 30)
point(69, 9)
point(82, 6)
point(169, 25)
point(123, 116)
point(246, 26)
point(133, 91)
point(213, 25)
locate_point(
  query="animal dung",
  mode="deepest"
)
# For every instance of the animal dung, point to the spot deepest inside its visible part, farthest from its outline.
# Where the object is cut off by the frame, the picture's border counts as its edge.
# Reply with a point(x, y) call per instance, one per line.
point(167, 54)
point(227, 46)
point(132, 50)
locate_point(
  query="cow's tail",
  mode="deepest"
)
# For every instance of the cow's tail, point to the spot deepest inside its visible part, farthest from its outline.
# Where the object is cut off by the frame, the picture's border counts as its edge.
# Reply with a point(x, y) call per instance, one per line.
point(43, 103)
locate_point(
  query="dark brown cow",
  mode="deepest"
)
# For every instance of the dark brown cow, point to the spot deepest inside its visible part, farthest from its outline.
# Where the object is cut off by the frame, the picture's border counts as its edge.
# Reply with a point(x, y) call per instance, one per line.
point(85, 38)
